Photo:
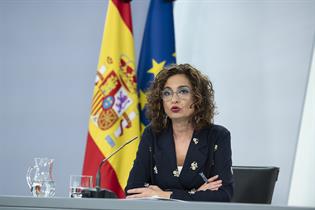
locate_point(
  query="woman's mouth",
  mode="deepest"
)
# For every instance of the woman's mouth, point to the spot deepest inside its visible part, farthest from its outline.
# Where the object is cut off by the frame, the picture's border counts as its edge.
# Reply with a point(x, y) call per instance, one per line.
point(175, 109)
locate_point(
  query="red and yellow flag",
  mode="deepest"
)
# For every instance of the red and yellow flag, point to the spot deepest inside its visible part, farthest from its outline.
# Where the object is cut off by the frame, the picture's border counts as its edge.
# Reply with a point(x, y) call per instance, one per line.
point(114, 117)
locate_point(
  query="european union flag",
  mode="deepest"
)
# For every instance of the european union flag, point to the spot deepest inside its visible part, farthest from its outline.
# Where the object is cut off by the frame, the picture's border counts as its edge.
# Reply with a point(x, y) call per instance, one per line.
point(157, 50)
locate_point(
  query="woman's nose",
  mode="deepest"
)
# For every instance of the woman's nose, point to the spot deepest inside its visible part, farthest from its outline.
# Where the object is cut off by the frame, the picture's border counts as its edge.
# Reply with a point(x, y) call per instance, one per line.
point(175, 98)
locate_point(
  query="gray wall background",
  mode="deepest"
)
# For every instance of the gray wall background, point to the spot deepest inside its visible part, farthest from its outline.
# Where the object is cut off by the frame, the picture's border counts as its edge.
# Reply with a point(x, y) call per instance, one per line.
point(257, 54)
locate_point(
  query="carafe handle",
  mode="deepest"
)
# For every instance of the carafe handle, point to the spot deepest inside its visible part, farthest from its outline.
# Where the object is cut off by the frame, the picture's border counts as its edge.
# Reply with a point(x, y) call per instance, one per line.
point(28, 177)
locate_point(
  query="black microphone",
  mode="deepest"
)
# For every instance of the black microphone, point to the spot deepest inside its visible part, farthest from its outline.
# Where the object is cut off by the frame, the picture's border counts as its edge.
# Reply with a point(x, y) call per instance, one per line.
point(98, 193)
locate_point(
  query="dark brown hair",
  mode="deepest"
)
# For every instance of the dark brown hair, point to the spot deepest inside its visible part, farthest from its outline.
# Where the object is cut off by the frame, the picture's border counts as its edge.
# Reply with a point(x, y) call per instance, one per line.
point(202, 91)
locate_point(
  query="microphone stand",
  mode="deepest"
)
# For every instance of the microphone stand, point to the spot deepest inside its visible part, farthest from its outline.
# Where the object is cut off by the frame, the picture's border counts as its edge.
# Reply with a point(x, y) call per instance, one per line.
point(101, 193)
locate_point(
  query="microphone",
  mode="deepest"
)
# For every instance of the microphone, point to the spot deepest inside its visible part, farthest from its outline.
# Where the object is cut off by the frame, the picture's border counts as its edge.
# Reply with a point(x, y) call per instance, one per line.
point(106, 193)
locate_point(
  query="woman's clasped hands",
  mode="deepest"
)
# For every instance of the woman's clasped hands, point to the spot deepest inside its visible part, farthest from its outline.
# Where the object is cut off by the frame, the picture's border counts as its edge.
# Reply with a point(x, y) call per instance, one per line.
point(213, 184)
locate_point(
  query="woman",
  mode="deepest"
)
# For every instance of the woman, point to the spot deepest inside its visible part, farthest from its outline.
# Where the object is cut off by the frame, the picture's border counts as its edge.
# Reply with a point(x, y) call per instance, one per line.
point(182, 154)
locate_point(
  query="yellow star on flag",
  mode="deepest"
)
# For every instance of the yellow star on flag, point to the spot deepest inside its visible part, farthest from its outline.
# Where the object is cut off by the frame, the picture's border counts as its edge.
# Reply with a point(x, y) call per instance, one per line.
point(156, 67)
point(143, 99)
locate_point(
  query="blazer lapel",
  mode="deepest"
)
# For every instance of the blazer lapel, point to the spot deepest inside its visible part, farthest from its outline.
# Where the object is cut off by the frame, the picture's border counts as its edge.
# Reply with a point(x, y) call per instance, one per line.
point(195, 160)
point(165, 158)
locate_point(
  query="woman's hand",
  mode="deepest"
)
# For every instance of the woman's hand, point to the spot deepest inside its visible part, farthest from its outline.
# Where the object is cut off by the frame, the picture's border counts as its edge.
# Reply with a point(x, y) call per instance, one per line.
point(213, 184)
point(151, 190)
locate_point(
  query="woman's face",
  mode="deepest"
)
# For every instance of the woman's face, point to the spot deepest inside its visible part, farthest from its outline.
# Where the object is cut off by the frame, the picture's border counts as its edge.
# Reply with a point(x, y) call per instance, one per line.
point(177, 98)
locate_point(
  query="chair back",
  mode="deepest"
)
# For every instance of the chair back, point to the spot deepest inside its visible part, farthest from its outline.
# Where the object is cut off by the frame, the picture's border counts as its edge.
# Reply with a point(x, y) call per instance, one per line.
point(254, 184)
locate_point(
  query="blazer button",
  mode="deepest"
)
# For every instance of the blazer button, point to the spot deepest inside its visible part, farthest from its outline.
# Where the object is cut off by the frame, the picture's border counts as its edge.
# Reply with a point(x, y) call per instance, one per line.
point(155, 170)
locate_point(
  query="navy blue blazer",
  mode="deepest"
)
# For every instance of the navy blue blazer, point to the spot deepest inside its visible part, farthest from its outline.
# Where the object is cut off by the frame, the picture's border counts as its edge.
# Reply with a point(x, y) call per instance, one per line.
point(209, 152)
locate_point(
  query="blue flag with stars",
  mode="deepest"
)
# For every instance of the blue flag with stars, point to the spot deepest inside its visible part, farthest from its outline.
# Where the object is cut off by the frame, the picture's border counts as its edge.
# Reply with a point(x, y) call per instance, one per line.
point(157, 50)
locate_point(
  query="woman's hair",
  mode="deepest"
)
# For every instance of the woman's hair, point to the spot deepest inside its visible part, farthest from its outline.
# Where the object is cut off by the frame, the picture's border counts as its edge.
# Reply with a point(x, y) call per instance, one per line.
point(202, 93)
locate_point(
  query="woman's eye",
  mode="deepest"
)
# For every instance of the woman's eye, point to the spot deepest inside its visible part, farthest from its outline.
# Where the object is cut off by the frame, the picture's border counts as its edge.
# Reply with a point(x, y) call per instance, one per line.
point(166, 93)
point(183, 91)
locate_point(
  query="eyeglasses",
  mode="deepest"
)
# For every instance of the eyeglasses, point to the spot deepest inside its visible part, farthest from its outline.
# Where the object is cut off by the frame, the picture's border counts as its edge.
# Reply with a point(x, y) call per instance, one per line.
point(182, 92)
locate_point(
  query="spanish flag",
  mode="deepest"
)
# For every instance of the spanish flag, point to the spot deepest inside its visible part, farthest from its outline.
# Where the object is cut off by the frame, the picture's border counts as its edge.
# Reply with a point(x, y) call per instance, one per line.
point(157, 50)
point(114, 116)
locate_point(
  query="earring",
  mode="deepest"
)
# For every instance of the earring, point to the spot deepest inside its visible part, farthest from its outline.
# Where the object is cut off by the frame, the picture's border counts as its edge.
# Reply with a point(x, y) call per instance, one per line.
point(197, 119)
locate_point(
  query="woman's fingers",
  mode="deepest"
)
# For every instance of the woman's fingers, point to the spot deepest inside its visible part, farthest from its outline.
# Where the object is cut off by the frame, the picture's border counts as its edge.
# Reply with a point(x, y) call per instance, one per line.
point(216, 182)
point(141, 192)
point(211, 185)
point(154, 187)
point(137, 190)
point(211, 179)
point(215, 186)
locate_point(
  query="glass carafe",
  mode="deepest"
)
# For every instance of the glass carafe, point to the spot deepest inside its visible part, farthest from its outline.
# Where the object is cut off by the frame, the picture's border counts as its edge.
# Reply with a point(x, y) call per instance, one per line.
point(39, 178)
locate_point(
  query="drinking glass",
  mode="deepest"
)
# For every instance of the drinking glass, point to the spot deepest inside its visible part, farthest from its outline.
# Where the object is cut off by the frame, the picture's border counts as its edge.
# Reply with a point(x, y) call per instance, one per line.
point(79, 183)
